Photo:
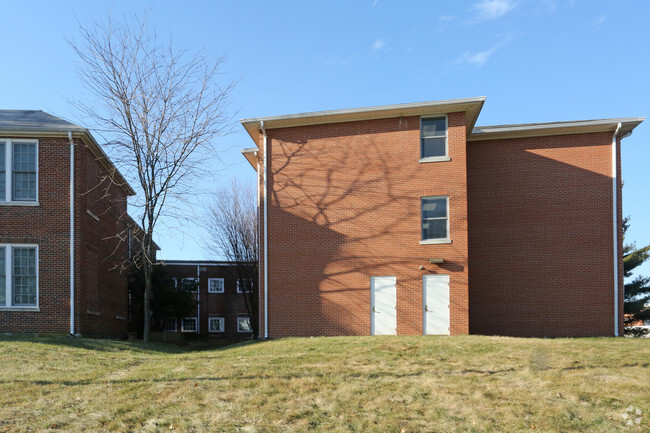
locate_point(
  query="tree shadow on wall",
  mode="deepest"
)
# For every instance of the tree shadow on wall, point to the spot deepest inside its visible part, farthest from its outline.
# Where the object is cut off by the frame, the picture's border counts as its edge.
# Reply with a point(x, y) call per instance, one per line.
point(342, 209)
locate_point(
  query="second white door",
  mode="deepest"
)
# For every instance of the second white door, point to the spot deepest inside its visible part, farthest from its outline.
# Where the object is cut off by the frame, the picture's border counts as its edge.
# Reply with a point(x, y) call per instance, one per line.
point(436, 304)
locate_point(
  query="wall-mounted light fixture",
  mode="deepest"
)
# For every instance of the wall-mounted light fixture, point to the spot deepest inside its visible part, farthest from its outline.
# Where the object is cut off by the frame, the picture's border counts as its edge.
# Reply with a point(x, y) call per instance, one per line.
point(436, 260)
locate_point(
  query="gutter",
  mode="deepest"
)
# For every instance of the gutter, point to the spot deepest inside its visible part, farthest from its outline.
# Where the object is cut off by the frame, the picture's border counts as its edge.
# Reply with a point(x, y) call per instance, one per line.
point(71, 233)
point(615, 226)
point(266, 237)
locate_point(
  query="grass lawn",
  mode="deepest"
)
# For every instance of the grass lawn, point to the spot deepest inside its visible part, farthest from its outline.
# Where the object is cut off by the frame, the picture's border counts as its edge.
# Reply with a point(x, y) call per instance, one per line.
point(348, 384)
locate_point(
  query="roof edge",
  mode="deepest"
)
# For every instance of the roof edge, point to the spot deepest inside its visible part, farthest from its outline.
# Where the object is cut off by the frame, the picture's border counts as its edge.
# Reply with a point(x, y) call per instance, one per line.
point(174, 262)
point(494, 132)
point(87, 138)
point(105, 161)
point(250, 153)
point(471, 105)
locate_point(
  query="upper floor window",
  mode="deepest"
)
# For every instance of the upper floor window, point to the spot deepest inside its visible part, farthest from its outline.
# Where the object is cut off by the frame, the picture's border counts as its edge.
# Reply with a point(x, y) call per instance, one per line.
point(18, 276)
point(215, 285)
point(433, 138)
point(190, 284)
point(244, 285)
point(18, 170)
point(435, 219)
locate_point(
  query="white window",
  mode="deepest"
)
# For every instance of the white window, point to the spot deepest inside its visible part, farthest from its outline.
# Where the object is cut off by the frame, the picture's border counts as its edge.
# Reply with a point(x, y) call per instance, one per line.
point(190, 284)
point(433, 139)
point(435, 219)
point(169, 325)
point(189, 324)
point(215, 285)
point(18, 276)
point(244, 324)
point(244, 285)
point(216, 324)
point(18, 171)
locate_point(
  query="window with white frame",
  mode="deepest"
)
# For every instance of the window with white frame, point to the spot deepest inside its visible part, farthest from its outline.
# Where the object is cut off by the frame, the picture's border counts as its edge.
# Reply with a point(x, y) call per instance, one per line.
point(190, 284)
point(244, 285)
point(216, 285)
point(18, 275)
point(169, 325)
point(244, 324)
point(216, 324)
point(18, 170)
point(435, 219)
point(433, 138)
point(189, 324)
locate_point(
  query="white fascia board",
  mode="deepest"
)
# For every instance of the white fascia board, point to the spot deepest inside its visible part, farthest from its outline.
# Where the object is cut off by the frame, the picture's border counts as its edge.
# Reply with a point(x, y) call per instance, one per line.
point(471, 105)
point(553, 128)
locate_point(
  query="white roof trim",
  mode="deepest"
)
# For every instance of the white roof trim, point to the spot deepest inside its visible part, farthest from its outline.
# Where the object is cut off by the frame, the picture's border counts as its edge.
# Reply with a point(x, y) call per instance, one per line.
point(553, 128)
point(470, 105)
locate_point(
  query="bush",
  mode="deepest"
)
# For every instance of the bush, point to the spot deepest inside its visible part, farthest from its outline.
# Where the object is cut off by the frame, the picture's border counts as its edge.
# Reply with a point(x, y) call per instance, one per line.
point(636, 331)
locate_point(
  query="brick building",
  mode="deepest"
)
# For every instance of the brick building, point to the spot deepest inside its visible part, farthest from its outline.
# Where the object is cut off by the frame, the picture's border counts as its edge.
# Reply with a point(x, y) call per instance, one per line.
point(408, 219)
point(221, 310)
point(62, 232)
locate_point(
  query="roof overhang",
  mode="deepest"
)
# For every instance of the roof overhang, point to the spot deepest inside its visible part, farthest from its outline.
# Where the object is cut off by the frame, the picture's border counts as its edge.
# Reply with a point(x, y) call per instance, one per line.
point(251, 156)
point(471, 106)
point(554, 128)
point(87, 138)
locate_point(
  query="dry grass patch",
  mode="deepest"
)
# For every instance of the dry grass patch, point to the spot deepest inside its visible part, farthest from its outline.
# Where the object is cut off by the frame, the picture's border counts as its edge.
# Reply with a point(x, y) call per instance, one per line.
point(383, 384)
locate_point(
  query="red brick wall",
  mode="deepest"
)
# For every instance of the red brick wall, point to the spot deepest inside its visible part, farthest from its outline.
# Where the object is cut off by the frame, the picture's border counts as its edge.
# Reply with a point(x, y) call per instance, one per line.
point(344, 205)
point(229, 304)
point(540, 236)
point(101, 250)
point(48, 225)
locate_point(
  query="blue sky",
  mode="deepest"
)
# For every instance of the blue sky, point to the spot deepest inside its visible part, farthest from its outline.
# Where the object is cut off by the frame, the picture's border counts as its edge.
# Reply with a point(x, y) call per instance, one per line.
point(536, 61)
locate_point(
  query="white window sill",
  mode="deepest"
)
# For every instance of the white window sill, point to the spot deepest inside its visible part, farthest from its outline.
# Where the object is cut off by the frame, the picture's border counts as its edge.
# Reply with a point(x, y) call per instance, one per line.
point(216, 293)
point(435, 241)
point(435, 159)
point(19, 203)
point(36, 309)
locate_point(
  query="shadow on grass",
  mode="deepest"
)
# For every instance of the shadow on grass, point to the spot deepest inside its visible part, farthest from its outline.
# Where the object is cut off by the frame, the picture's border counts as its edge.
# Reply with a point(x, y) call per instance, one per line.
point(106, 345)
point(311, 374)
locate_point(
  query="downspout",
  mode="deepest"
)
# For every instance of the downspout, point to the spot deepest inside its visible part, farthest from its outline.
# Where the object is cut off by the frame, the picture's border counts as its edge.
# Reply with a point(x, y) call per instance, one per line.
point(266, 238)
point(71, 233)
point(259, 230)
point(198, 299)
point(615, 225)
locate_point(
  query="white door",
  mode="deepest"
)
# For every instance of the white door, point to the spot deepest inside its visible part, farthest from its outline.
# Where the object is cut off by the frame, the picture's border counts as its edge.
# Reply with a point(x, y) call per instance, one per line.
point(436, 304)
point(383, 306)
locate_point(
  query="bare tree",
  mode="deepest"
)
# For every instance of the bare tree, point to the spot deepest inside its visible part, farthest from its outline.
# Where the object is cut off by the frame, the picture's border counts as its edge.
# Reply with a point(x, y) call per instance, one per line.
point(160, 106)
point(233, 234)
